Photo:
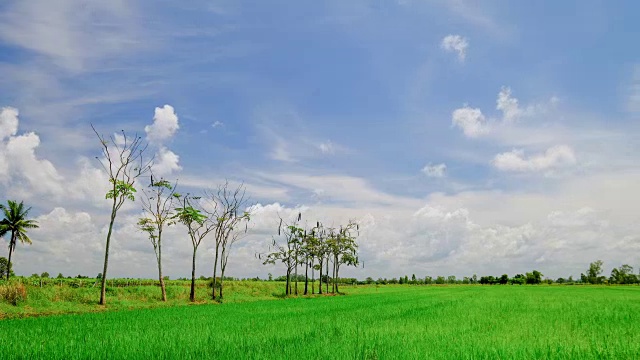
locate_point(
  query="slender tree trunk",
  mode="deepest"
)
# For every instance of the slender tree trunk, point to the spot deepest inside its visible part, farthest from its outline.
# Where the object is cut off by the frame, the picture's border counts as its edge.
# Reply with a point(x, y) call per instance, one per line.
point(313, 279)
point(287, 290)
point(103, 290)
point(192, 295)
point(160, 277)
point(333, 287)
point(327, 274)
point(215, 270)
point(163, 289)
point(296, 272)
point(320, 284)
point(306, 278)
point(12, 245)
point(337, 277)
point(222, 268)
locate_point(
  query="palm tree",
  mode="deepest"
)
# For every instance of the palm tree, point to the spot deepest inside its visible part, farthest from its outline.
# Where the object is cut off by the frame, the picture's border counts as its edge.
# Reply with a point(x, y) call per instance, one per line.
point(16, 223)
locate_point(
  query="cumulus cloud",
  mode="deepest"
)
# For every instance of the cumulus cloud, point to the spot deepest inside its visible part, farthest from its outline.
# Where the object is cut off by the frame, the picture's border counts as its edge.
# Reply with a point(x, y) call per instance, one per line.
point(470, 120)
point(435, 171)
point(217, 124)
point(455, 43)
point(166, 162)
point(8, 122)
point(18, 159)
point(165, 124)
point(473, 123)
point(554, 157)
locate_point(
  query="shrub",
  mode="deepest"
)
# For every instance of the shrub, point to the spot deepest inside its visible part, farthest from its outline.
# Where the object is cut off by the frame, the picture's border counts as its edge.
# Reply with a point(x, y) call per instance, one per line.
point(13, 293)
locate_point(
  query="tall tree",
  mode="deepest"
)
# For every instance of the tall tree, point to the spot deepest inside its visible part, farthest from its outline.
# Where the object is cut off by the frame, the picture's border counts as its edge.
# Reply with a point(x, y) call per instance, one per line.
point(198, 227)
point(344, 250)
point(593, 275)
point(15, 223)
point(123, 161)
point(285, 253)
point(235, 234)
point(227, 203)
point(157, 204)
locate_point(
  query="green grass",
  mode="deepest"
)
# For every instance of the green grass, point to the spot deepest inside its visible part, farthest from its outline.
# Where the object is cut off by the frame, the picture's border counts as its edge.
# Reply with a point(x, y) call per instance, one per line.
point(389, 322)
point(54, 299)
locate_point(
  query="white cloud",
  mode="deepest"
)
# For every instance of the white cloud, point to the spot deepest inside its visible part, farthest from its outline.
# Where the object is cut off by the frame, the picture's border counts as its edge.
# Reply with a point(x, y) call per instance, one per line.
point(165, 124)
point(473, 122)
point(327, 147)
point(554, 157)
point(435, 171)
point(217, 124)
point(470, 120)
point(8, 122)
point(19, 162)
point(166, 162)
point(508, 105)
point(457, 43)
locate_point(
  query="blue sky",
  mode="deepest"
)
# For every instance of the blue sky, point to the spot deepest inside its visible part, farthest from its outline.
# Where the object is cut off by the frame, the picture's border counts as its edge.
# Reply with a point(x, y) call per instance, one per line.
point(467, 136)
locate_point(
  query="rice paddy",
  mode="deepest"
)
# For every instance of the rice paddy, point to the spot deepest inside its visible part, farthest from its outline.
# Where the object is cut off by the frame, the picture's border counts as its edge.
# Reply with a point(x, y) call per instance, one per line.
point(386, 322)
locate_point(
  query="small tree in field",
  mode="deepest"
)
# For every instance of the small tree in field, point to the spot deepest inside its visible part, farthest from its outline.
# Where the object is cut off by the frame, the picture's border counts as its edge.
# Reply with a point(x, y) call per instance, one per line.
point(344, 250)
point(122, 159)
point(4, 267)
point(16, 224)
point(157, 204)
point(286, 253)
point(198, 226)
point(227, 203)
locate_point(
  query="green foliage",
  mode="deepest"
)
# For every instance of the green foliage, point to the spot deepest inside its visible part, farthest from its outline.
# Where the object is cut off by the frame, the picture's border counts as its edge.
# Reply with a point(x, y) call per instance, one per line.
point(15, 222)
point(188, 215)
point(623, 275)
point(4, 263)
point(121, 190)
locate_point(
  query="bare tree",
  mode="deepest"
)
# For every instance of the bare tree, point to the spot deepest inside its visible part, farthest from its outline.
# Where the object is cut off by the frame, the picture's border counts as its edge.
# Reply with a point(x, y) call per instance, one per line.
point(285, 253)
point(157, 204)
point(227, 203)
point(198, 227)
point(344, 249)
point(123, 161)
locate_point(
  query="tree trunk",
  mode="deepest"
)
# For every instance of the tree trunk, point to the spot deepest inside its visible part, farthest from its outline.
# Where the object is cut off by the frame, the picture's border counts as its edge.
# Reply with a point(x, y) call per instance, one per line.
point(287, 290)
point(313, 279)
point(12, 246)
point(296, 273)
point(192, 295)
point(327, 274)
point(160, 277)
point(320, 284)
point(163, 289)
point(103, 290)
point(337, 277)
point(333, 287)
point(222, 268)
point(215, 270)
point(306, 278)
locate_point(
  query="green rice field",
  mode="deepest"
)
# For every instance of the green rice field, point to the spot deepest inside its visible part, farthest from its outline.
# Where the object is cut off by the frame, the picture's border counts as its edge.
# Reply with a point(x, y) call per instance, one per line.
point(369, 322)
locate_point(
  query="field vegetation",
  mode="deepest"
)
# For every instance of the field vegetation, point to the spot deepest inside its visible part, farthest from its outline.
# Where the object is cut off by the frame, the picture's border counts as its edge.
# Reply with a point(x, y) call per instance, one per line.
point(372, 322)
